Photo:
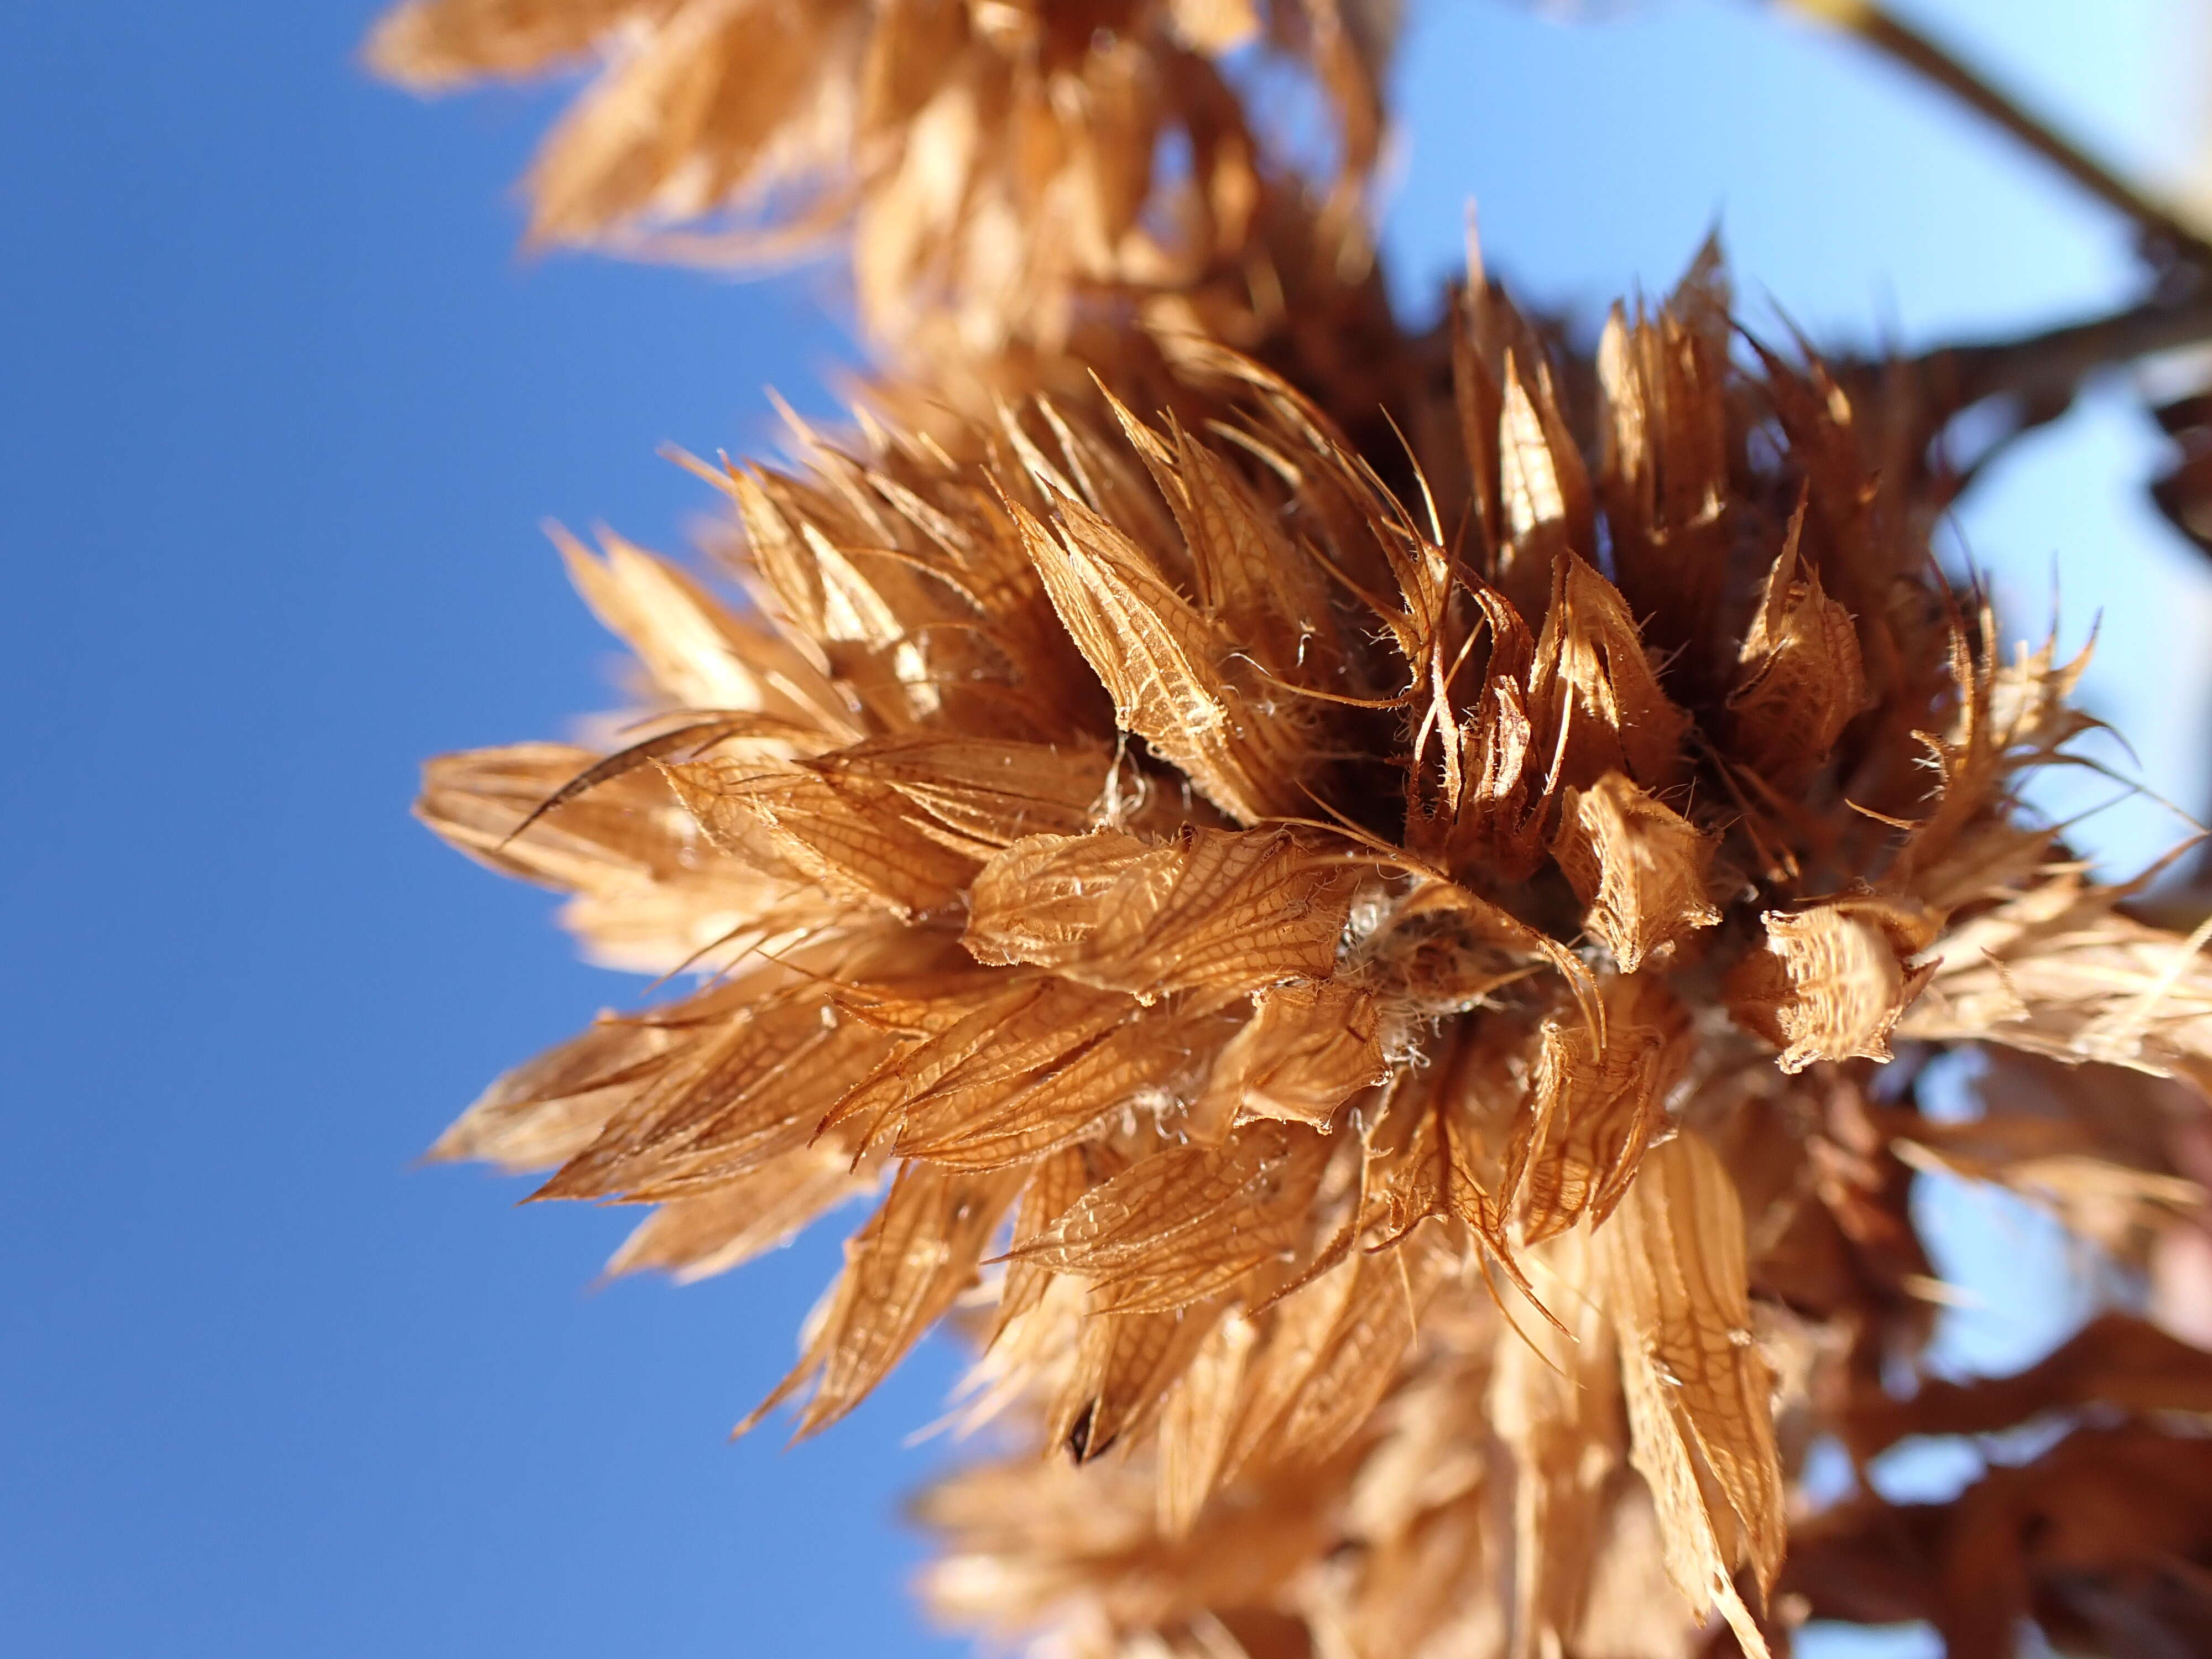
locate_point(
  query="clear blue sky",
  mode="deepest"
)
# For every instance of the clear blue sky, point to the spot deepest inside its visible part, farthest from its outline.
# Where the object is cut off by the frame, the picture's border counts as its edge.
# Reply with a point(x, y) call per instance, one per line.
point(282, 408)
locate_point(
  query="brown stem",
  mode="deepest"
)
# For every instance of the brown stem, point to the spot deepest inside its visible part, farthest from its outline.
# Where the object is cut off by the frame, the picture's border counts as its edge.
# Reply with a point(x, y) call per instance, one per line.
point(2039, 376)
point(1870, 21)
point(2041, 369)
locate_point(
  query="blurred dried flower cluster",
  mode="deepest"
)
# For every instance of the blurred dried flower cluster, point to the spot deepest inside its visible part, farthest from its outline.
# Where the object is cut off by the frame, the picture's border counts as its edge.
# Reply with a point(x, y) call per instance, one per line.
point(1369, 911)
point(991, 158)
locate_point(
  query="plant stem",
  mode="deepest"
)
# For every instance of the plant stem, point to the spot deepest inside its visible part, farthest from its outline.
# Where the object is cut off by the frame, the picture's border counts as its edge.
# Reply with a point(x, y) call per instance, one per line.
point(1873, 23)
point(2037, 376)
point(2041, 368)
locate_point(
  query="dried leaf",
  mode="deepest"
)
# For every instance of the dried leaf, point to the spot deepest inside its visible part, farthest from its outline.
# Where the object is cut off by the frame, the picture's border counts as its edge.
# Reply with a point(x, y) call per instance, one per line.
point(430, 44)
point(1194, 1430)
point(1006, 1036)
point(1554, 1400)
point(742, 1092)
point(1798, 678)
point(976, 797)
point(1189, 1222)
point(1332, 1351)
point(644, 895)
point(860, 839)
point(1664, 474)
point(1123, 1369)
point(2058, 971)
point(1149, 1063)
point(1215, 26)
point(548, 1109)
point(698, 654)
point(728, 1225)
point(1167, 667)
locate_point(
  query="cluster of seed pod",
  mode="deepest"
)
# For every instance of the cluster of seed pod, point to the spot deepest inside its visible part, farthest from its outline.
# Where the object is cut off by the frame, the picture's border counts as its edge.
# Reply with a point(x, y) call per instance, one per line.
point(1384, 984)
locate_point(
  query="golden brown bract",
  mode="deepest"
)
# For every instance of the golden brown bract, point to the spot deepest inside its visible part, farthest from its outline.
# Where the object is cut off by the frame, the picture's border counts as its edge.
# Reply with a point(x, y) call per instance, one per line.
point(1832, 981)
point(1638, 866)
point(1672, 1274)
point(1599, 1101)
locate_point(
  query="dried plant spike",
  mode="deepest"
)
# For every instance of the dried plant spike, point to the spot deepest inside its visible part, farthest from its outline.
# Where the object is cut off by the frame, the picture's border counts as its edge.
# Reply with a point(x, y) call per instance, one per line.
point(1353, 953)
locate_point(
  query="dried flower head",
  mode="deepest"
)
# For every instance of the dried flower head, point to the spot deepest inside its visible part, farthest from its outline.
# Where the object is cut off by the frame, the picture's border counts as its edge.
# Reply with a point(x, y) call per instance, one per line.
point(1380, 972)
point(992, 157)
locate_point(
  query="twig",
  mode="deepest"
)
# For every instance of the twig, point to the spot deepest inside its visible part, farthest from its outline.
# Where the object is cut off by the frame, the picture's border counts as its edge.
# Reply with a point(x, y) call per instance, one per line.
point(1873, 23)
point(2047, 368)
point(2038, 376)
